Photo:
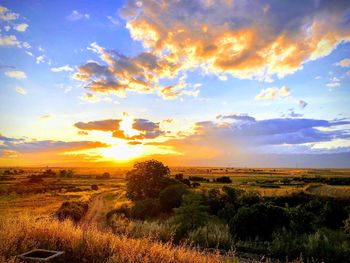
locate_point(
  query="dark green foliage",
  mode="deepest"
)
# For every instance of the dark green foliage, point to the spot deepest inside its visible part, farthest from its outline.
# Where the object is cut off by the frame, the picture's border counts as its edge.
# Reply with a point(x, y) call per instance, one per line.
point(259, 220)
point(322, 246)
point(223, 179)
point(147, 179)
point(144, 209)
point(72, 210)
point(171, 196)
point(191, 214)
point(198, 179)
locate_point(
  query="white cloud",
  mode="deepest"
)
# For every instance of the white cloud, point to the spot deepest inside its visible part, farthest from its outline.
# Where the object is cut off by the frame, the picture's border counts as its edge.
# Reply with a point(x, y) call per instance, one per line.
point(40, 59)
point(26, 45)
point(21, 90)
point(113, 20)
point(333, 83)
point(7, 28)
point(29, 53)
point(21, 27)
point(76, 15)
point(273, 93)
point(16, 74)
point(7, 41)
point(62, 68)
point(7, 15)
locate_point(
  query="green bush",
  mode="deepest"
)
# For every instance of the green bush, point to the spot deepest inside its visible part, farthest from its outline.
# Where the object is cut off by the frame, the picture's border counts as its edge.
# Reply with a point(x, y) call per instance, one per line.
point(259, 220)
point(213, 235)
point(171, 196)
point(322, 246)
point(144, 209)
point(191, 214)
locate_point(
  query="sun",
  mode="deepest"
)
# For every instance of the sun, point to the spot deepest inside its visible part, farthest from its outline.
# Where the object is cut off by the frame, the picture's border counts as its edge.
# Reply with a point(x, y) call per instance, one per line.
point(122, 152)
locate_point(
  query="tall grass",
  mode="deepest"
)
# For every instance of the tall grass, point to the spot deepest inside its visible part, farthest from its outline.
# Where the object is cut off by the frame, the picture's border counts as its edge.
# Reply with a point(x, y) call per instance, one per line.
point(88, 245)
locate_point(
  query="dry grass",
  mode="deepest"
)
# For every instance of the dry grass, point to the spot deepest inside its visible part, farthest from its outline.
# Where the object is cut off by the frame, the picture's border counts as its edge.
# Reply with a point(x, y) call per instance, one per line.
point(337, 191)
point(90, 245)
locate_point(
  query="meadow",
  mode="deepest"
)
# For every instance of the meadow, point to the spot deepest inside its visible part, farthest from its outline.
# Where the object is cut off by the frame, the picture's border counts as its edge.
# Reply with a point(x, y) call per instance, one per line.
point(116, 228)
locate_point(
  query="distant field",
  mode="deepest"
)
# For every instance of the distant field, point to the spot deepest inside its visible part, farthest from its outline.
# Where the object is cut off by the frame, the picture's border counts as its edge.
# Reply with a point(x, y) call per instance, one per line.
point(18, 194)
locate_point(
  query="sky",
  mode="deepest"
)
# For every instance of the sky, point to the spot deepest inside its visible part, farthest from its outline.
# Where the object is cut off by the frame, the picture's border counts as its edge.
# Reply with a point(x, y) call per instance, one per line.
point(187, 82)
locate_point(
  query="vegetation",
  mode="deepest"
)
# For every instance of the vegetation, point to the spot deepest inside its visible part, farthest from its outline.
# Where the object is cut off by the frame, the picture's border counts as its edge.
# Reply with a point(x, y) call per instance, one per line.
point(19, 235)
point(270, 213)
point(72, 210)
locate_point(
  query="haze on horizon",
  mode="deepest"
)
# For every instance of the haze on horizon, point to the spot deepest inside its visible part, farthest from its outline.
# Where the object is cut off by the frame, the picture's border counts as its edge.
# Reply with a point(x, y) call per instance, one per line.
point(190, 83)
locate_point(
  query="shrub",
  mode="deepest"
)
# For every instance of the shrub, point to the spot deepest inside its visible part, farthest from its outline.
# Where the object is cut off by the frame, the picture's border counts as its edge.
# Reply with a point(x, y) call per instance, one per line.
point(72, 210)
point(322, 246)
point(213, 235)
point(94, 187)
point(191, 214)
point(104, 176)
point(260, 220)
point(171, 196)
point(223, 179)
point(144, 209)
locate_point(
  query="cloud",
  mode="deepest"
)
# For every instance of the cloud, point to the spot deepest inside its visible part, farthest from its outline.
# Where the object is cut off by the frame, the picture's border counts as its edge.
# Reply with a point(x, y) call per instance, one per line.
point(302, 104)
point(16, 74)
point(46, 117)
point(237, 117)
point(8, 41)
point(102, 125)
point(21, 90)
point(142, 128)
point(21, 27)
point(76, 15)
point(66, 68)
point(333, 83)
point(24, 146)
point(291, 113)
point(7, 15)
point(344, 63)
point(40, 59)
point(273, 93)
point(141, 73)
point(144, 125)
point(237, 139)
point(244, 39)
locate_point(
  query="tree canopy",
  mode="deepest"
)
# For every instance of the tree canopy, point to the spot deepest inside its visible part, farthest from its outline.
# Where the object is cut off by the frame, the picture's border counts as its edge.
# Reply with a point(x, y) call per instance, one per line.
point(147, 179)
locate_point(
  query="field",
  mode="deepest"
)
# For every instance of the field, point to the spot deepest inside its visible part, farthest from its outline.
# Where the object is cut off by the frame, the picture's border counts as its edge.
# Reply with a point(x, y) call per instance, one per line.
point(37, 193)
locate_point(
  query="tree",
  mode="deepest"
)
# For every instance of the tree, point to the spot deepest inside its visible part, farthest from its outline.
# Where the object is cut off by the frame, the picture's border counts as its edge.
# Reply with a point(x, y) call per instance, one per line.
point(147, 179)
point(191, 214)
point(171, 196)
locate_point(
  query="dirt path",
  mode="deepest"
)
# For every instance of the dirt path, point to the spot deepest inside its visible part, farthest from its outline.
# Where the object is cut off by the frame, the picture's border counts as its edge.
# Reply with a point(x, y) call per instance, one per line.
point(96, 212)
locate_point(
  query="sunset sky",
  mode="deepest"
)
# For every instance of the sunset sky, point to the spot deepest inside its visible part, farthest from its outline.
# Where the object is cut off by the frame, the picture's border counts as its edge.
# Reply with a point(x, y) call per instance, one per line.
point(195, 82)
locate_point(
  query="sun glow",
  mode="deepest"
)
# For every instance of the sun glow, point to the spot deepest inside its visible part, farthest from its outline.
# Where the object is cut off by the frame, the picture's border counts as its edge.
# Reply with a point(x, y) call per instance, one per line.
point(122, 152)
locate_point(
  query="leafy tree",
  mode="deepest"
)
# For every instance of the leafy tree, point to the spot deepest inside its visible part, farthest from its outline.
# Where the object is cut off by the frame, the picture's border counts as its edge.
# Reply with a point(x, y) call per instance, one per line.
point(171, 196)
point(191, 214)
point(147, 179)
